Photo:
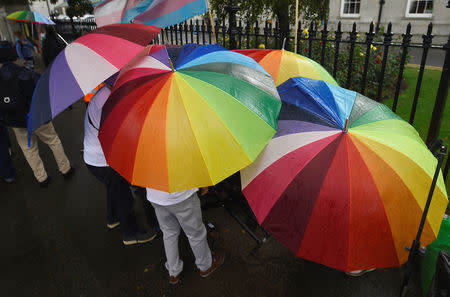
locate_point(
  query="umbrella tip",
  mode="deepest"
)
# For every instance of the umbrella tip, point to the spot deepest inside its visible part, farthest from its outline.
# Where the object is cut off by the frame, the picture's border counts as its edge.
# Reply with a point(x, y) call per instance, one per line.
point(346, 126)
point(171, 65)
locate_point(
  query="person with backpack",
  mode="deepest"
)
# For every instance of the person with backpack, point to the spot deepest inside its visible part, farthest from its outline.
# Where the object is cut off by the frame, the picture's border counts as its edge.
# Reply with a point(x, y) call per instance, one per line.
point(24, 50)
point(16, 90)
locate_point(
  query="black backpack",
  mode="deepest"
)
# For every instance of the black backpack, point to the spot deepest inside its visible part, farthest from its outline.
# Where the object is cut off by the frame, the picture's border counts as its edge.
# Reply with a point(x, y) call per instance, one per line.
point(11, 98)
point(16, 89)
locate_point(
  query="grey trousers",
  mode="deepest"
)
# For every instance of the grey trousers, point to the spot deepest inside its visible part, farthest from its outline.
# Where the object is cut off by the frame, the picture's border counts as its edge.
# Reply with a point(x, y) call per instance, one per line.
point(187, 215)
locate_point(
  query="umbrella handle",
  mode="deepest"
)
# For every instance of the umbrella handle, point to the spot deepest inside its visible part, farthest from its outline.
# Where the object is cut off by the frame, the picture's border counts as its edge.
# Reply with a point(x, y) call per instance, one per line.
point(416, 243)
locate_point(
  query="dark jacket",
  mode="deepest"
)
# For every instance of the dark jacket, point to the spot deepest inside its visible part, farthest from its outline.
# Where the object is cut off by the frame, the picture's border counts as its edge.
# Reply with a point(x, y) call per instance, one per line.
point(20, 80)
point(51, 47)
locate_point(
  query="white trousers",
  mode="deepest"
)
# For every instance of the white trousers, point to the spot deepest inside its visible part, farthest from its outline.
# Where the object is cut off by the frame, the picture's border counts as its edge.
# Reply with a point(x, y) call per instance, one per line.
point(188, 215)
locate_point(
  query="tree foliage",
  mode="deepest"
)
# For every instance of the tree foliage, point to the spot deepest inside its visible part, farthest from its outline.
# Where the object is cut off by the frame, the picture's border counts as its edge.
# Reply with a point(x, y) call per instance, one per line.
point(79, 8)
point(283, 10)
point(310, 10)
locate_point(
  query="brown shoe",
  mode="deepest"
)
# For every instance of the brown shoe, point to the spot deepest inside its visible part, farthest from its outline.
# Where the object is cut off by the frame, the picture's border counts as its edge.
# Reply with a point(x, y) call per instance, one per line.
point(173, 280)
point(217, 261)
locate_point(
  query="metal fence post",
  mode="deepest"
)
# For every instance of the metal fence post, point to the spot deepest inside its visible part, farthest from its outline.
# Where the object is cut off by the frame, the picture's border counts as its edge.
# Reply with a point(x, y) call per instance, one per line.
point(299, 36)
point(369, 40)
point(405, 45)
point(311, 36)
point(266, 33)
point(336, 51)
point(441, 97)
point(426, 45)
point(232, 8)
point(256, 34)
point(276, 33)
point(352, 49)
point(387, 42)
point(324, 38)
point(247, 33)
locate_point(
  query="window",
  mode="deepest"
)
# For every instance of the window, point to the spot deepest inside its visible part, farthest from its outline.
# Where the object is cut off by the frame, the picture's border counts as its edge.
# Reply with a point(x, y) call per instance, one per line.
point(350, 8)
point(419, 8)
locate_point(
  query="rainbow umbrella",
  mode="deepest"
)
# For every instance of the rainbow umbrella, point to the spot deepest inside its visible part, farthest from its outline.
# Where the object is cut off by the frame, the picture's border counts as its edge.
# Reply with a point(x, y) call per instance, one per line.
point(344, 181)
point(30, 17)
point(190, 120)
point(83, 65)
point(282, 65)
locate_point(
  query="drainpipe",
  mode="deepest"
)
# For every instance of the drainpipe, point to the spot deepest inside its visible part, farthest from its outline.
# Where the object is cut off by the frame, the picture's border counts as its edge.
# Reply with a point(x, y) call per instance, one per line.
point(377, 28)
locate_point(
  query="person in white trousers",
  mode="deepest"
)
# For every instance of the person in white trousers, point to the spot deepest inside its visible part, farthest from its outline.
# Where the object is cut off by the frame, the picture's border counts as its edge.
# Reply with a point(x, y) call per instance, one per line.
point(181, 210)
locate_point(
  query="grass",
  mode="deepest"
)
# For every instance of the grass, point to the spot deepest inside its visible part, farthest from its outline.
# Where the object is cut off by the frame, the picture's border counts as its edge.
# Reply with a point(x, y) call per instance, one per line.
point(425, 104)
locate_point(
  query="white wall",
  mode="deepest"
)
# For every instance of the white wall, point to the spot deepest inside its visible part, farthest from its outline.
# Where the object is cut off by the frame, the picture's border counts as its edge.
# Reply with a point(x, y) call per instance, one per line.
point(41, 6)
point(395, 11)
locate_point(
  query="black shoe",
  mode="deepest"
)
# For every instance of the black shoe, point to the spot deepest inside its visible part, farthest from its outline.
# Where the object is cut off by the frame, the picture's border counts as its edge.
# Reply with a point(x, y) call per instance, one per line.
point(45, 183)
point(69, 173)
point(139, 237)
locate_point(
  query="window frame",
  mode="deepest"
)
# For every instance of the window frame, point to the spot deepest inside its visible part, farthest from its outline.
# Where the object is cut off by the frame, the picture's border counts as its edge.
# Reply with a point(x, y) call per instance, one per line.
point(417, 15)
point(350, 15)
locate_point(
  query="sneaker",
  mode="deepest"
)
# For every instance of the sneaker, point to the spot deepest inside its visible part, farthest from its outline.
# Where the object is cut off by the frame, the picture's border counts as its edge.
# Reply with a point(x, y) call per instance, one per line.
point(9, 179)
point(113, 225)
point(359, 272)
point(173, 280)
point(69, 172)
point(217, 261)
point(45, 182)
point(139, 237)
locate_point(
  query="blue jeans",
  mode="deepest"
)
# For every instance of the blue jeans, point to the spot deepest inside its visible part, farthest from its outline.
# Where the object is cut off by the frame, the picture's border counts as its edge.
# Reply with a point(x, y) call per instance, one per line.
point(6, 167)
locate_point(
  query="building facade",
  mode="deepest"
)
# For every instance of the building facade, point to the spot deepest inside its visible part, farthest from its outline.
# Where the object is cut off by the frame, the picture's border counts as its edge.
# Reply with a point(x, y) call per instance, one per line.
point(400, 12)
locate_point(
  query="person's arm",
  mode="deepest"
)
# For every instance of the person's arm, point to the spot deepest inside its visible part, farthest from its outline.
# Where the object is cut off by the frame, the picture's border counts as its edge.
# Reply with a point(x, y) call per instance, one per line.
point(19, 49)
point(203, 191)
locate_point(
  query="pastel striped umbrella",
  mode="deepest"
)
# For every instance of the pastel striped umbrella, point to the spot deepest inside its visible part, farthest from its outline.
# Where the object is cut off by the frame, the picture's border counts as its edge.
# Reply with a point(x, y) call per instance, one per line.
point(173, 128)
point(83, 65)
point(344, 181)
point(161, 13)
point(164, 13)
point(282, 65)
point(30, 16)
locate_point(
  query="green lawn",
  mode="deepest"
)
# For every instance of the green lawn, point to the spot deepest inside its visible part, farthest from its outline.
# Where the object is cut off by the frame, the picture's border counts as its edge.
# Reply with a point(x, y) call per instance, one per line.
point(425, 104)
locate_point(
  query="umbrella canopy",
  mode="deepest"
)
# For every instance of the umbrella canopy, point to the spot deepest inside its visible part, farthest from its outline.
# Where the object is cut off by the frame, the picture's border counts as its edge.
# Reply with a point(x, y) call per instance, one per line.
point(83, 65)
point(30, 16)
point(344, 181)
point(190, 126)
point(282, 65)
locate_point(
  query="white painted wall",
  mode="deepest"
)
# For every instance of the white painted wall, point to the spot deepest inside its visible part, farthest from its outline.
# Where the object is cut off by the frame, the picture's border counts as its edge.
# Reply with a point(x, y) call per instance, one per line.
point(395, 11)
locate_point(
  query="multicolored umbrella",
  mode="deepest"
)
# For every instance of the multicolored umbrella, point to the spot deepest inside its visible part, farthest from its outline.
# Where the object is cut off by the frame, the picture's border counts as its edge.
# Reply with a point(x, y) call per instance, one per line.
point(282, 65)
point(189, 125)
point(30, 17)
point(344, 181)
point(161, 13)
point(83, 65)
